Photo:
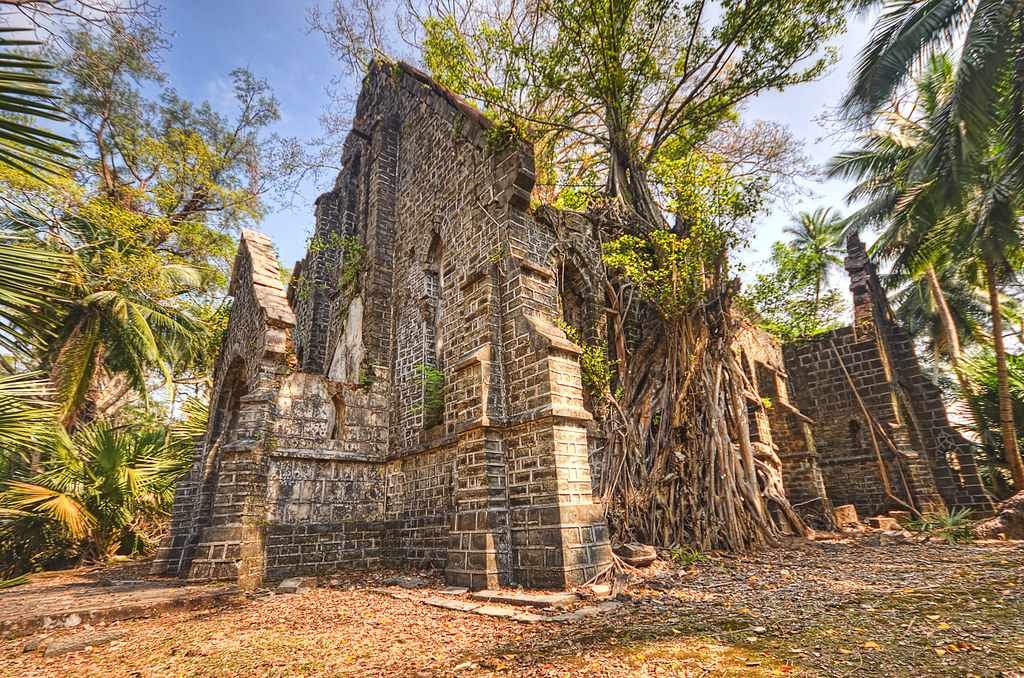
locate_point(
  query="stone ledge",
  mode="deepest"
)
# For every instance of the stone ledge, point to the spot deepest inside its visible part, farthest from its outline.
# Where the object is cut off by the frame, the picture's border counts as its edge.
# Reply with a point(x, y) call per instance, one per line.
point(324, 455)
point(476, 356)
point(545, 335)
point(130, 603)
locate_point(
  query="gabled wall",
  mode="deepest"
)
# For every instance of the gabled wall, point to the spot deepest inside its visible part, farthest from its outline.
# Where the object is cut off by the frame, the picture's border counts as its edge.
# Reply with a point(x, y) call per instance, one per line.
point(932, 466)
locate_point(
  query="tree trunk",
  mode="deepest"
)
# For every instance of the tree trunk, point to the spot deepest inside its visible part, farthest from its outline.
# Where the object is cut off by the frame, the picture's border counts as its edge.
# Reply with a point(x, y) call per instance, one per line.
point(1009, 430)
point(627, 180)
point(949, 327)
point(680, 468)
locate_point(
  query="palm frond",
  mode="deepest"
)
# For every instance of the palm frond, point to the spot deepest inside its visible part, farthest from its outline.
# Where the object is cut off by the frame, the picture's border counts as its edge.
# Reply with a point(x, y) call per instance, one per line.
point(25, 94)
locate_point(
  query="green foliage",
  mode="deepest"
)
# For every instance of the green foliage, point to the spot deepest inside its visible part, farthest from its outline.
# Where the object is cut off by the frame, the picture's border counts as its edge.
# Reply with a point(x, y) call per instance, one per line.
point(182, 434)
point(983, 405)
point(26, 95)
point(669, 270)
point(789, 301)
point(687, 555)
point(595, 367)
point(352, 264)
point(433, 383)
point(103, 494)
point(954, 528)
point(501, 137)
point(28, 416)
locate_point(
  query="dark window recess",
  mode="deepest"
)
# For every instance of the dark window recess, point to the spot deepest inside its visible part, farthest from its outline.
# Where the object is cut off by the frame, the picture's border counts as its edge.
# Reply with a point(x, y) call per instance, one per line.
point(336, 424)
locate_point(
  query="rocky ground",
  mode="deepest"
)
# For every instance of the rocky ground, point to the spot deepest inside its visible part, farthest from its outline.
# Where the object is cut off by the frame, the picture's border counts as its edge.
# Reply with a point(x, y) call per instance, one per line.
point(861, 604)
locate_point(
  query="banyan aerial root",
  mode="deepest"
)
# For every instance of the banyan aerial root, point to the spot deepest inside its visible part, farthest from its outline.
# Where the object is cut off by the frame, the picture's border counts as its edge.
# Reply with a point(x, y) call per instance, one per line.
point(679, 467)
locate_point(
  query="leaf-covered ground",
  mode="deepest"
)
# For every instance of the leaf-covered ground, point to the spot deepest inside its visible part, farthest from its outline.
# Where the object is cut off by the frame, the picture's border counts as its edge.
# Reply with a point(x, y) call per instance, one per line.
point(843, 607)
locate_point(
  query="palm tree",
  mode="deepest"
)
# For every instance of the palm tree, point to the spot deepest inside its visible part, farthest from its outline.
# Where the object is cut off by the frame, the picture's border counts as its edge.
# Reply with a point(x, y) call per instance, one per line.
point(984, 405)
point(818, 238)
point(118, 327)
point(30, 287)
point(987, 235)
point(30, 274)
point(959, 194)
point(97, 496)
point(897, 167)
point(25, 94)
point(909, 31)
point(917, 309)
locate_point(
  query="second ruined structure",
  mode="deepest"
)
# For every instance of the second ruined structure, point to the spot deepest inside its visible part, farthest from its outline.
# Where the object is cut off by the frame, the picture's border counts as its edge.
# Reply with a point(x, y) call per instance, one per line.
point(411, 399)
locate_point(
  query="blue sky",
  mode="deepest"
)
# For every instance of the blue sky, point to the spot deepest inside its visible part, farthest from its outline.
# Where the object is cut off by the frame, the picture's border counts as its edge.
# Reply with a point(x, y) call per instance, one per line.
point(212, 37)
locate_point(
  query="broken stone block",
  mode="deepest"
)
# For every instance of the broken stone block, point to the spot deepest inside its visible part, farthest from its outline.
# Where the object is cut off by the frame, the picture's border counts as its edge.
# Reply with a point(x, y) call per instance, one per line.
point(846, 515)
point(449, 604)
point(901, 517)
point(883, 523)
point(521, 599)
point(637, 555)
point(406, 582)
point(493, 611)
point(36, 643)
point(883, 539)
point(601, 590)
point(80, 641)
point(298, 585)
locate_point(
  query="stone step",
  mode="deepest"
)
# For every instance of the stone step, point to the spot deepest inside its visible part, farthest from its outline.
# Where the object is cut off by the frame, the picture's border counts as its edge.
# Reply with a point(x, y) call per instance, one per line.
point(520, 599)
point(25, 613)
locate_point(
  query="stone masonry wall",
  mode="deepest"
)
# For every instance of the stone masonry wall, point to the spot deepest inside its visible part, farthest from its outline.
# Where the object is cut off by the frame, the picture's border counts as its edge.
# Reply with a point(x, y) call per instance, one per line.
point(905, 411)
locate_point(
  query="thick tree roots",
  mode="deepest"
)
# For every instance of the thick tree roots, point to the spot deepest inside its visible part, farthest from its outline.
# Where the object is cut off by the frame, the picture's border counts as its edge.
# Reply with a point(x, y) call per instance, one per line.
point(679, 468)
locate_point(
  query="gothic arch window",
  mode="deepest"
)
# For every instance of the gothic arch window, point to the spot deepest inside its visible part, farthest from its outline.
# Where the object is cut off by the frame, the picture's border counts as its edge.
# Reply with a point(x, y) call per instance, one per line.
point(431, 375)
point(857, 435)
point(571, 297)
point(434, 275)
point(229, 405)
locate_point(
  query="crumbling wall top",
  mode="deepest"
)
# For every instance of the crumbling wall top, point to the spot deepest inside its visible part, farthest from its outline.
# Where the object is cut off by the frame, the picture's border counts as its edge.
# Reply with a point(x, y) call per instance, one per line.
point(268, 289)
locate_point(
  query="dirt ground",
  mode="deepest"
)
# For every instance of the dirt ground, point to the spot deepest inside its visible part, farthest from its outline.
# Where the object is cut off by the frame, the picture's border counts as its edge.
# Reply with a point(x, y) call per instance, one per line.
point(841, 607)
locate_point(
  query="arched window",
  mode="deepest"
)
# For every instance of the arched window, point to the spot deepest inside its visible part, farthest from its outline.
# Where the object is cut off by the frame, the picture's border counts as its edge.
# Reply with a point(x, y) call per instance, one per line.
point(434, 274)
point(570, 297)
point(225, 413)
point(431, 375)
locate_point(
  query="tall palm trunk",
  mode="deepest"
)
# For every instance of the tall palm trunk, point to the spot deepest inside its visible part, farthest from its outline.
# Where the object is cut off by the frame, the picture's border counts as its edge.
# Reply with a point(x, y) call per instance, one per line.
point(1009, 430)
point(949, 326)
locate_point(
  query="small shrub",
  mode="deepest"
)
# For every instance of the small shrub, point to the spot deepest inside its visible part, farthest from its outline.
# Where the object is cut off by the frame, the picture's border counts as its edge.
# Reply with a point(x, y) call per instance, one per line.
point(687, 555)
point(595, 366)
point(954, 528)
point(432, 380)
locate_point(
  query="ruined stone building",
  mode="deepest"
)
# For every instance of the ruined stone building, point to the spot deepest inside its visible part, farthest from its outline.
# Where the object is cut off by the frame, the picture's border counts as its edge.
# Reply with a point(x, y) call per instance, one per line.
point(409, 400)
point(863, 386)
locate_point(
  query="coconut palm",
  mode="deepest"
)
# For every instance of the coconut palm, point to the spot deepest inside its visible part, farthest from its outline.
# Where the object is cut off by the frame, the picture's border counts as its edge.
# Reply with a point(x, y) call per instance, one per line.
point(984, 405)
point(985, 32)
point(948, 181)
point(118, 327)
point(818, 236)
point(898, 170)
point(919, 311)
point(25, 94)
